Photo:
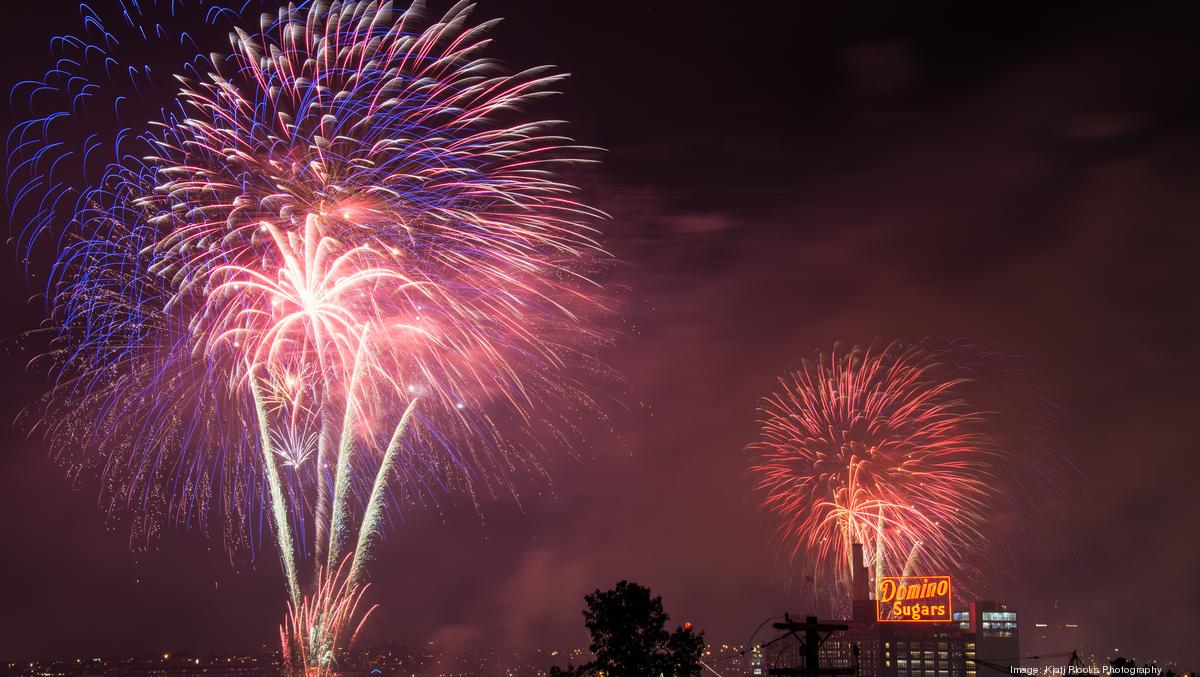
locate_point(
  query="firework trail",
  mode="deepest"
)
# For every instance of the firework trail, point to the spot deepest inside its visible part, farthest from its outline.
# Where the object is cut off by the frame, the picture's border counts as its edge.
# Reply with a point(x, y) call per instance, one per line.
point(888, 447)
point(317, 285)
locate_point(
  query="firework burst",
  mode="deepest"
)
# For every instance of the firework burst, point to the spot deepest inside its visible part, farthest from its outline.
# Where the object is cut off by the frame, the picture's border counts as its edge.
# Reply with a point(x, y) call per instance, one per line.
point(318, 283)
point(879, 447)
point(316, 631)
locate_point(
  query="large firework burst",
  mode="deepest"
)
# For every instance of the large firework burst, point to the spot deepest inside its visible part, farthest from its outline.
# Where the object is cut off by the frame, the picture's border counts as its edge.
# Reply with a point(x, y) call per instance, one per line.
point(318, 283)
point(881, 447)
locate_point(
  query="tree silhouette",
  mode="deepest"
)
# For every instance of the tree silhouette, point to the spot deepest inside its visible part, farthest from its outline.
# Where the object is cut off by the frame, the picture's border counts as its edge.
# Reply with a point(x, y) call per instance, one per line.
point(630, 639)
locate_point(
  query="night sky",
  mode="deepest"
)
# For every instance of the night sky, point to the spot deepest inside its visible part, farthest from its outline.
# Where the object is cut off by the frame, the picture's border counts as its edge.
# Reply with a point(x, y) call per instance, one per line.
point(778, 181)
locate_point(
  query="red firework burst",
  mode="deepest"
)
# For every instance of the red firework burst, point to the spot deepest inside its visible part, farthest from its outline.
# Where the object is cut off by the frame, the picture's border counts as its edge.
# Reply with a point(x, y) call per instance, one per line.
point(879, 447)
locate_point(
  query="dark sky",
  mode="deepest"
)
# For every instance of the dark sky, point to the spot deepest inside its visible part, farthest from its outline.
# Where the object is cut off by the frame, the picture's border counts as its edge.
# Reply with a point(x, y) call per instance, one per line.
point(779, 180)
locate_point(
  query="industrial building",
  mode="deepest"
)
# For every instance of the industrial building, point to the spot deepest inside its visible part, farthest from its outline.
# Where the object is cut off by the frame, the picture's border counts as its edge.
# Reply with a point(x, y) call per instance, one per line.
point(984, 631)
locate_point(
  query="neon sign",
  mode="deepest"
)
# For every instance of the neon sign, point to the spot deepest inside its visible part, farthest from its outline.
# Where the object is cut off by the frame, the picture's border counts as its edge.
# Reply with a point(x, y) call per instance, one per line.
point(913, 599)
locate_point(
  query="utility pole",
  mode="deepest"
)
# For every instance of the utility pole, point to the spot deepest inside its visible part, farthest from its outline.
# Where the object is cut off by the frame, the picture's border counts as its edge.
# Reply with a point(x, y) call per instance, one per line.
point(814, 635)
